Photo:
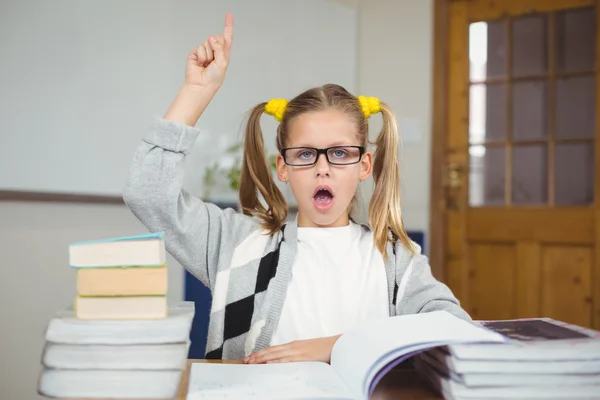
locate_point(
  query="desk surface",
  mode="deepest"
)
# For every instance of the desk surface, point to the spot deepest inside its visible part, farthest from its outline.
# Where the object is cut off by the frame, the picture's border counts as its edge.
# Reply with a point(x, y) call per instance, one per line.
point(397, 384)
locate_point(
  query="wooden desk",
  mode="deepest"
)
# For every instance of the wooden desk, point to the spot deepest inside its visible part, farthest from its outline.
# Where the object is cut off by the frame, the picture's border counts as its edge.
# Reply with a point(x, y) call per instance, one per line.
point(402, 384)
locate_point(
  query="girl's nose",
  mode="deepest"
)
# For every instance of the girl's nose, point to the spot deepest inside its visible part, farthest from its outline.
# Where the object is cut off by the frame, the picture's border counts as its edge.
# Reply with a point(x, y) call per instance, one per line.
point(322, 166)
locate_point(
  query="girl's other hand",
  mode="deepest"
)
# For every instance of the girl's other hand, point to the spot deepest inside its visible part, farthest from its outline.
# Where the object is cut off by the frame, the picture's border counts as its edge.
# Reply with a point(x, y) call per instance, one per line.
point(299, 350)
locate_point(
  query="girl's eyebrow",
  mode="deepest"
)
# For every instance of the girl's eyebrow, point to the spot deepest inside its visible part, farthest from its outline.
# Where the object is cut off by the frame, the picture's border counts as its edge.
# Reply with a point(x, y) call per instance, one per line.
point(334, 144)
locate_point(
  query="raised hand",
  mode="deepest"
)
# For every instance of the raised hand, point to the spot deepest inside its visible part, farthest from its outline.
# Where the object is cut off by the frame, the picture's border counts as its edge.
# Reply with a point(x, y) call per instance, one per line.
point(207, 64)
point(204, 74)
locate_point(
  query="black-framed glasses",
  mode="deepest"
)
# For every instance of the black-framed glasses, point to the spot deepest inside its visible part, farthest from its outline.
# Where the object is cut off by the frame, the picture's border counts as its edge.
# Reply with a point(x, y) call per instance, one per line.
point(337, 155)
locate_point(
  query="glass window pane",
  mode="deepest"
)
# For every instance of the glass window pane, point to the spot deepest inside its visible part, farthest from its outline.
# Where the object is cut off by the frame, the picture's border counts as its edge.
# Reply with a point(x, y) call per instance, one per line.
point(487, 49)
point(575, 40)
point(529, 110)
point(486, 176)
point(487, 113)
point(529, 49)
point(529, 175)
point(574, 174)
point(496, 57)
point(575, 107)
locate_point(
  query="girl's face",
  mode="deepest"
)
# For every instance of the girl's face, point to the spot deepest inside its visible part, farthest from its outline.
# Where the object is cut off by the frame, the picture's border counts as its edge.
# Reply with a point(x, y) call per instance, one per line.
point(323, 191)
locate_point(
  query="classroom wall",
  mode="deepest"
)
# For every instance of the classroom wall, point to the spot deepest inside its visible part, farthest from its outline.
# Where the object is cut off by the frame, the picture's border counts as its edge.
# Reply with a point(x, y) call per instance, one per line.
point(394, 60)
point(395, 46)
point(100, 87)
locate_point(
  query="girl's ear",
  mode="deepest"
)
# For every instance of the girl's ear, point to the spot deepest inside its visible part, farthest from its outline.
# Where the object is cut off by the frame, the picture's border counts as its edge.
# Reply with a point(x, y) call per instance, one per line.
point(281, 169)
point(366, 165)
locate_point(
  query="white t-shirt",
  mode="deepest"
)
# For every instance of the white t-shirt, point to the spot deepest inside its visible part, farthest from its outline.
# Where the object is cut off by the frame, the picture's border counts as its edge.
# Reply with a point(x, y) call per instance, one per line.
point(338, 281)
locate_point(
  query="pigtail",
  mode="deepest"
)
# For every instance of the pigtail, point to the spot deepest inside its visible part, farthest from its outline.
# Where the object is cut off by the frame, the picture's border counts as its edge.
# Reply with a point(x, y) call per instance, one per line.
point(384, 207)
point(256, 177)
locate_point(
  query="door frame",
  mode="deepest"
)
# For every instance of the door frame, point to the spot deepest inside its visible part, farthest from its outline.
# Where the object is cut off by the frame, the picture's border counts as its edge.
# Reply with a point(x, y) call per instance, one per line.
point(439, 126)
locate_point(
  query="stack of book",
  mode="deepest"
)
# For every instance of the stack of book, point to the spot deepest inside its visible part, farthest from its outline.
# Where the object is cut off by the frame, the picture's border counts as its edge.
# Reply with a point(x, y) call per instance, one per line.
point(121, 337)
point(543, 358)
point(120, 278)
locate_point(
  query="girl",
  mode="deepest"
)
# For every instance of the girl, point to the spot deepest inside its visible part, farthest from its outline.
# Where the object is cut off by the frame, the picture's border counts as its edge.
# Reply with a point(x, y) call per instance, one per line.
point(286, 291)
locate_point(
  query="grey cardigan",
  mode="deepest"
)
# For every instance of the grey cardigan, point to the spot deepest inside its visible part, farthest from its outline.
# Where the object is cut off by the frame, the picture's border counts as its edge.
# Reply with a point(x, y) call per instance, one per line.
point(246, 270)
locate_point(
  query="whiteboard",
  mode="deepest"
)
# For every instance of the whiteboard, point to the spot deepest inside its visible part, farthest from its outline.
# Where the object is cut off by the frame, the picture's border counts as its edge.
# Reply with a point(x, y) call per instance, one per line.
point(81, 80)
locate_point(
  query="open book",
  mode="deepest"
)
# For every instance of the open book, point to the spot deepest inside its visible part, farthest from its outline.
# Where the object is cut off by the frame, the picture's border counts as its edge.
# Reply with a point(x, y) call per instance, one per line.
point(359, 359)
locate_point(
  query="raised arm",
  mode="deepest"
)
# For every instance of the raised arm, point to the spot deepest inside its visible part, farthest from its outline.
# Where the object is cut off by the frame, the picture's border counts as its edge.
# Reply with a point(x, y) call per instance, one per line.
point(197, 233)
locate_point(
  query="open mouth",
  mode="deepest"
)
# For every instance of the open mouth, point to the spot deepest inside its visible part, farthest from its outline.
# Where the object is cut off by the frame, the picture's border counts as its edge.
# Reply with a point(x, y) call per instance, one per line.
point(323, 196)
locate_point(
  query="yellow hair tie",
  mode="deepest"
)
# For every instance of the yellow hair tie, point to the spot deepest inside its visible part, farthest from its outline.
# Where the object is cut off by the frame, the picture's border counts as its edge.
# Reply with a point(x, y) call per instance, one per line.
point(276, 108)
point(369, 105)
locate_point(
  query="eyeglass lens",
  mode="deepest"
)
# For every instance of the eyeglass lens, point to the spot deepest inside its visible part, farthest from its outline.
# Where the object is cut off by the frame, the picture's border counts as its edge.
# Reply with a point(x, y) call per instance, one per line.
point(340, 155)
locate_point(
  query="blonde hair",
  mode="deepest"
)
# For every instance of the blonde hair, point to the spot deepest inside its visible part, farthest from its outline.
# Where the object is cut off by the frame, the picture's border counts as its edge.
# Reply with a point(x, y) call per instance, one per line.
point(385, 217)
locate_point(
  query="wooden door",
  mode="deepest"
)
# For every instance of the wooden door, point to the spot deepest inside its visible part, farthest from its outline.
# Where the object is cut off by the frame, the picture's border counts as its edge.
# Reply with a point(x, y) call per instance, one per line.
point(518, 196)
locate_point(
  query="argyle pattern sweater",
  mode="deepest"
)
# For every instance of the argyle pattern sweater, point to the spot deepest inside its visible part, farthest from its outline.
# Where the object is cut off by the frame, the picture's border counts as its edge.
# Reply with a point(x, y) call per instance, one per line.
point(246, 269)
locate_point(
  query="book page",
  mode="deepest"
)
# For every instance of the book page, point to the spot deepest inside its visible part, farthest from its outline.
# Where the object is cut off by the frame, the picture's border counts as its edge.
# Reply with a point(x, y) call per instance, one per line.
point(359, 354)
point(298, 380)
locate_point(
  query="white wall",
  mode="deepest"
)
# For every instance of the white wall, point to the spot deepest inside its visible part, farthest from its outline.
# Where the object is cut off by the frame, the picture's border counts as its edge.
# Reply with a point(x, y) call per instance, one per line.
point(395, 64)
point(81, 80)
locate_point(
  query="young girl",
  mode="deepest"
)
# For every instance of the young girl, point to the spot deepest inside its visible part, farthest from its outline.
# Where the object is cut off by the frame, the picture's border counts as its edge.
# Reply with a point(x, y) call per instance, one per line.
point(286, 291)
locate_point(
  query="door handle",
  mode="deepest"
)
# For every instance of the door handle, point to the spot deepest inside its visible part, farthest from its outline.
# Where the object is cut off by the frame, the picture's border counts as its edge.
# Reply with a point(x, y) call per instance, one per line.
point(454, 173)
point(453, 182)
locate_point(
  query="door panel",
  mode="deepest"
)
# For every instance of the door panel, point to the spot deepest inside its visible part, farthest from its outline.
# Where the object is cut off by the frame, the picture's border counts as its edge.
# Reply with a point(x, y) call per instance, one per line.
point(545, 225)
point(520, 176)
point(492, 263)
point(565, 283)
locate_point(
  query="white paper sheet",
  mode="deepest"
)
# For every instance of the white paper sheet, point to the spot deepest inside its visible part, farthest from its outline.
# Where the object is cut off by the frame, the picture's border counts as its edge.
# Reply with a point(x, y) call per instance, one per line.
point(298, 380)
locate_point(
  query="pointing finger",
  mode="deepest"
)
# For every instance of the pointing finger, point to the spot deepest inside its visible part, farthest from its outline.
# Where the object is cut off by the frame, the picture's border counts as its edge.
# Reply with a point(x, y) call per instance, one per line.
point(228, 31)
